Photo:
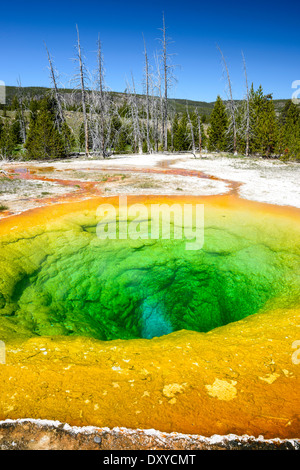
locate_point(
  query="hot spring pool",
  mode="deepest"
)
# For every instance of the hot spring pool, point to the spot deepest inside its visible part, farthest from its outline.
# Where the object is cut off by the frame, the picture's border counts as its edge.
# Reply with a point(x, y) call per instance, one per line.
point(67, 292)
point(63, 280)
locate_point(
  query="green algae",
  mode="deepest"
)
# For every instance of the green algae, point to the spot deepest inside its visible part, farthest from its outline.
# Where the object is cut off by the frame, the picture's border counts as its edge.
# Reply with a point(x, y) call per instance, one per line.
point(61, 279)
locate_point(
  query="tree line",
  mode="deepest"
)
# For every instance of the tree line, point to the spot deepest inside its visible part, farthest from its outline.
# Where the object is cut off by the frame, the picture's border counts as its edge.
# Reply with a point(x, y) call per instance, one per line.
point(260, 131)
point(100, 123)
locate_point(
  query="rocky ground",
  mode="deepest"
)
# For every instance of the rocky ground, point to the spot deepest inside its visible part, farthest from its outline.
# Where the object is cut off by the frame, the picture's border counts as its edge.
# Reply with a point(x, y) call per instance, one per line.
point(52, 435)
point(25, 185)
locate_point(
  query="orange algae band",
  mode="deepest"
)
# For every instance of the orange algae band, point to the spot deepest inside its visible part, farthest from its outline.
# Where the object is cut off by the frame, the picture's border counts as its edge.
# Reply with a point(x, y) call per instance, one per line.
point(43, 215)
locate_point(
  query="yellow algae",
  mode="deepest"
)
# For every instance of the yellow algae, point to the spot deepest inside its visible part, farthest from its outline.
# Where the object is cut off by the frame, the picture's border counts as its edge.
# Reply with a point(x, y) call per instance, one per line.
point(171, 390)
point(222, 389)
point(202, 400)
point(172, 401)
point(270, 378)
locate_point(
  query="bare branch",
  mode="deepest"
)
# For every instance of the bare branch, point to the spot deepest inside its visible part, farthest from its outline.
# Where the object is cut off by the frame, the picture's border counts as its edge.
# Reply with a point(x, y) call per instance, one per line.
point(231, 101)
point(83, 91)
point(55, 87)
point(247, 107)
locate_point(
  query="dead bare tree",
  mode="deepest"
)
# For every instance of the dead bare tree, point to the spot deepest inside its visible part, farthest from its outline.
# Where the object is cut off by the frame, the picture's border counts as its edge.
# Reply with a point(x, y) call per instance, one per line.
point(105, 106)
point(160, 113)
point(53, 77)
point(247, 107)
point(100, 69)
point(199, 131)
point(155, 105)
point(101, 112)
point(134, 111)
point(82, 78)
point(147, 86)
point(172, 114)
point(232, 108)
point(168, 78)
point(22, 119)
point(190, 124)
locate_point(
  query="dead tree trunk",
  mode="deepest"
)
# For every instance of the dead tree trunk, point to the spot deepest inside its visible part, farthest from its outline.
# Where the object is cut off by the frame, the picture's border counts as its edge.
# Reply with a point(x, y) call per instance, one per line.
point(61, 118)
point(102, 107)
point(100, 110)
point(137, 136)
point(165, 69)
point(199, 131)
point(172, 117)
point(154, 115)
point(100, 70)
point(83, 93)
point(22, 114)
point(247, 108)
point(160, 114)
point(147, 76)
point(168, 78)
point(231, 102)
point(191, 129)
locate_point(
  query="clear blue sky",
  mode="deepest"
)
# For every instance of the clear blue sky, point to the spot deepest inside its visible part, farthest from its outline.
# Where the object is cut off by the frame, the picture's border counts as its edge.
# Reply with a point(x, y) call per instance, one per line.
point(267, 32)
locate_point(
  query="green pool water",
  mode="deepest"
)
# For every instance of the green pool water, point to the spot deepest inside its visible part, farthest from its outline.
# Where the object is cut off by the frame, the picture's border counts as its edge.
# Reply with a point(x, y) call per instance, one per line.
point(64, 280)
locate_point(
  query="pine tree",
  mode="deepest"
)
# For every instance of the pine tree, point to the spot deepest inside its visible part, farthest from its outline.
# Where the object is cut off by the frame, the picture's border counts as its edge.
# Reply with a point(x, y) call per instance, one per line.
point(180, 136)
point(81, 138)
point(121, 141)
point(6, 142)
point(15, 131)
point(284, 112)
point(291, 133)
point(34, 107)
point(218, 129)
point(15, 104)
point(241, 133)
point(67, 138)
point(266, 131)
point(175, 125)
point(44, 140)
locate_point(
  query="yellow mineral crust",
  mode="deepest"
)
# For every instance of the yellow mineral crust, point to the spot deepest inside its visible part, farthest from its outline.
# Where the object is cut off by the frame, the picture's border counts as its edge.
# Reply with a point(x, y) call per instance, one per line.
point(240, 378)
